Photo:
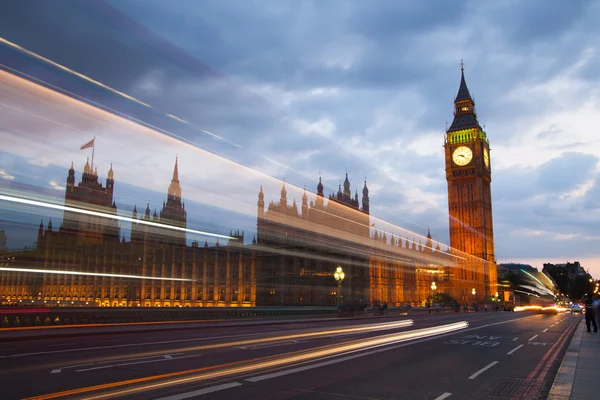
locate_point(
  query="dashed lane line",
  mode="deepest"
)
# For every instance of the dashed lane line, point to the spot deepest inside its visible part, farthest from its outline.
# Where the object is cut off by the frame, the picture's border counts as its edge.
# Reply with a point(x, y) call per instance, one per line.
point(482, 370)
point(513, 350)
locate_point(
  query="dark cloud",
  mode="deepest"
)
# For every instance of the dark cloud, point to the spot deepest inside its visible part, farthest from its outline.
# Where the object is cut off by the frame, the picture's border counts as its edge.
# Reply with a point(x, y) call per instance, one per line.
point(592, 196)
point(566, 172)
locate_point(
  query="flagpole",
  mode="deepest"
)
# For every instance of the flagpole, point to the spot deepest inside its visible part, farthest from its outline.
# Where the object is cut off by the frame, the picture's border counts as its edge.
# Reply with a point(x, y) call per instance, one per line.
point(93, 148)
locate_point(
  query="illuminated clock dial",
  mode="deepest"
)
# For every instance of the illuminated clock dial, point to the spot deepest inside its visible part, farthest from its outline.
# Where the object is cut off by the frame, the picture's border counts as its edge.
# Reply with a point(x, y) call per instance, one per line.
point(486, 157)
point(462, 156)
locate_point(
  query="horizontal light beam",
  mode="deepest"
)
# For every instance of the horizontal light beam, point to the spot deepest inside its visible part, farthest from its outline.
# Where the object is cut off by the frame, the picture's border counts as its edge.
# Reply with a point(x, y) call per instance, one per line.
point(59, 272)
point(109, 216)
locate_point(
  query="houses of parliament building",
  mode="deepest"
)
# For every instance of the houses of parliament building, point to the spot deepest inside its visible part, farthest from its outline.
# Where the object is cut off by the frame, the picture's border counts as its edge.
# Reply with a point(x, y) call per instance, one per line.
point(290, 261)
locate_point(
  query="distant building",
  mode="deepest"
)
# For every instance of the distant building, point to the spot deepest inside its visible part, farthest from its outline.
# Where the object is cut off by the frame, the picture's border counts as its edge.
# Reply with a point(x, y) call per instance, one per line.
point(571, 269)
point(219, 275)
point(300, 246)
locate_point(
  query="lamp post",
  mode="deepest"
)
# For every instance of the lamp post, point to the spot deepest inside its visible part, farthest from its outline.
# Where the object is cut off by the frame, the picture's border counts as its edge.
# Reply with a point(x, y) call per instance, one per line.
point(339, 277)
point(433, 287)
point(473, 292)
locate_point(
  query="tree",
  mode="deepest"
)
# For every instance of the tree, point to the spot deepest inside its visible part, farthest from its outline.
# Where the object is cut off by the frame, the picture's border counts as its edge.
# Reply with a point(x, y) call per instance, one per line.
point(581, 286)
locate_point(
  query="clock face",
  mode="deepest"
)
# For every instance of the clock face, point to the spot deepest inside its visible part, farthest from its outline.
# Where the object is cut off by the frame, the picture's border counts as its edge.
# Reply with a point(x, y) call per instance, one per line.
point(462, 156)
point(486, 158)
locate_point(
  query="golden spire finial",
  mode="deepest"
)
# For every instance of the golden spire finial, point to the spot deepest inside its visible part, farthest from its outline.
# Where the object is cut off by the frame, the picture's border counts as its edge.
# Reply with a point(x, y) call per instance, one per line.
point(462, 65)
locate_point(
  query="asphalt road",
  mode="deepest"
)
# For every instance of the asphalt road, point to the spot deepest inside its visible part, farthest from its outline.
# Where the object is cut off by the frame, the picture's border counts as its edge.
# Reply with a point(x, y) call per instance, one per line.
point(457, 356)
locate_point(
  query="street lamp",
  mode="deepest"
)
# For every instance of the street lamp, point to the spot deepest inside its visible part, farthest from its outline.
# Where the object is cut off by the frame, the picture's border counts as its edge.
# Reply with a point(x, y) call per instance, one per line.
point(473, 292)
point(339, 277)
point(433, 287)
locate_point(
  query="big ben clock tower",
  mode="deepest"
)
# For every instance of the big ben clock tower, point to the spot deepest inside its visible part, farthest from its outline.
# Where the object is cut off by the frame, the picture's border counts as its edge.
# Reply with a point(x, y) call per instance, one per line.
point(468, 172)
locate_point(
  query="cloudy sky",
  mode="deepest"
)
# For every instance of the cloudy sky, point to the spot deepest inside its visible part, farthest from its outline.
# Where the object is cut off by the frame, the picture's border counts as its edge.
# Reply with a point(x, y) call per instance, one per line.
point(291, 89)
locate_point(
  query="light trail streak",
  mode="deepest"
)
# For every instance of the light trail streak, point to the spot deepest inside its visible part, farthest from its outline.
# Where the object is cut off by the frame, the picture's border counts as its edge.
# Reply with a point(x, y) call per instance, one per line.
point(66, 69)
point(249, 366)
point(59, 272)
point(104, 86)
point(540, 282)
point(108, 216)
point(335, 350)
point(173, 136)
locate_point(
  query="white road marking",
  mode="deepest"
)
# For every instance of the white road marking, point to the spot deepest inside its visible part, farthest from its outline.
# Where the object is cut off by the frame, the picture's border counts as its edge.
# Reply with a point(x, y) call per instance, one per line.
point(545, 330)
point(195, 393)
point(164, 358)
point(533, 337)
point(137, 358)
point(57, 370)
point(482, 370)
point(443, 396)
point(513, 350)
point(515, 339)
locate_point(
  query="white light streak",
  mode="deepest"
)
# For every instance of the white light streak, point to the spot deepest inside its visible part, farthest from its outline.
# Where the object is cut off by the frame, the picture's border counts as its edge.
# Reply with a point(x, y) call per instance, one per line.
point(109, 216)
point(59, 272)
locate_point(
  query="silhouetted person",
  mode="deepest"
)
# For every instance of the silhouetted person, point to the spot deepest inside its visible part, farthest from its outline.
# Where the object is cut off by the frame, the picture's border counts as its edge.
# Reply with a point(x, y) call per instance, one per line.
point(590, 315)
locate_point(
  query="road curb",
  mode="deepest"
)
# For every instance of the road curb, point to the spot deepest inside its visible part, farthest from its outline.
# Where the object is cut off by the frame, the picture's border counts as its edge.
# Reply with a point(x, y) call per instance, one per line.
point(565, 377)
point(232, 324)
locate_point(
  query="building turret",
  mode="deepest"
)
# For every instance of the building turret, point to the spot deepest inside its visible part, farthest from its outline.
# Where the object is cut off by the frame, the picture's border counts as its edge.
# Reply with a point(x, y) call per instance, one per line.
point(347, 193)
point(261, 203)
point(304, 204)
point(283, 199)
point(365, 199)
point(319, 203)
point(428, 243)
point(41, 232)
point(71, 179)
point(110, 180)
point(320, 187)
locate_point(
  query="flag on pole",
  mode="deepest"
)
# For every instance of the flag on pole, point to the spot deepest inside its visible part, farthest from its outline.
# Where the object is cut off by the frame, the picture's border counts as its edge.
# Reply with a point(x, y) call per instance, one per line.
point(88, 144)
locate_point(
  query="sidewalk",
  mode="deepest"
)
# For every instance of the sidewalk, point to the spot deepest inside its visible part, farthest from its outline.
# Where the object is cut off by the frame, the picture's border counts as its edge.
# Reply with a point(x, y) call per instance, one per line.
point(578, 377)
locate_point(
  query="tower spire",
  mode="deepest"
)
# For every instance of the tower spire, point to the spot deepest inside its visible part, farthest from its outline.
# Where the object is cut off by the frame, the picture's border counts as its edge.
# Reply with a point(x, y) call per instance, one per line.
point(175, 187)
point(463, 90)
point(464, 111)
